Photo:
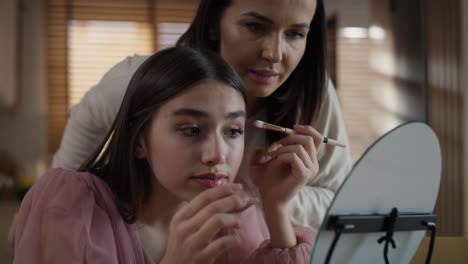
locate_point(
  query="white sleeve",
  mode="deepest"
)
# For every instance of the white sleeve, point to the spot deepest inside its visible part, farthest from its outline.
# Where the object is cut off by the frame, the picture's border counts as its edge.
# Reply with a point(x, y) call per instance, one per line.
point(90, 120)
point(311, 204)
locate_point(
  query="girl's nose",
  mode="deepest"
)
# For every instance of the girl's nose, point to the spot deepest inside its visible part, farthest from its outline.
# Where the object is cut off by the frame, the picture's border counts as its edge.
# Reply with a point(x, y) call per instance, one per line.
point(214, 151)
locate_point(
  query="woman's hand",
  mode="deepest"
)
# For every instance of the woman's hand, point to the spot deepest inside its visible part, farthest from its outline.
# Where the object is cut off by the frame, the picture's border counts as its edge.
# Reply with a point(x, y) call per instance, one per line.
point(193, 229)
point(287, 166)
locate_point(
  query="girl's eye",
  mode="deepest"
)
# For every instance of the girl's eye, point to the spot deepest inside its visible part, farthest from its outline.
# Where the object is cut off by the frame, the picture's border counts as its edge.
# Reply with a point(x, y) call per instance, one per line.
point(255, 27)
point(190, 131)
point(235, 132)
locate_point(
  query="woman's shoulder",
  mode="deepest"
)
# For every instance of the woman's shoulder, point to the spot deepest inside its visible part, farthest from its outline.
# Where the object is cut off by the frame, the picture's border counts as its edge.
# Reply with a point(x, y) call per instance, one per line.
point(330, 92)
point(99, 106)
point(126, 67)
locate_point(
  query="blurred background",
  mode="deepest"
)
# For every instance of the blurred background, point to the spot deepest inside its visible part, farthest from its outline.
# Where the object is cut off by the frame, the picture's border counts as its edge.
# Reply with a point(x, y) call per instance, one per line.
point(392, 61)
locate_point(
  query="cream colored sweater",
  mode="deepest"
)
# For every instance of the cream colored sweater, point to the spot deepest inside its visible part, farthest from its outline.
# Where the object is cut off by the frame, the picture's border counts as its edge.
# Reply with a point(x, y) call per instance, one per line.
point(90, 120)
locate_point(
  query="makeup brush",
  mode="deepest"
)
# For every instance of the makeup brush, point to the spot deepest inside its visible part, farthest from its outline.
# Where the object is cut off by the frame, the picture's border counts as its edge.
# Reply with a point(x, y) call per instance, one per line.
point(284, 130)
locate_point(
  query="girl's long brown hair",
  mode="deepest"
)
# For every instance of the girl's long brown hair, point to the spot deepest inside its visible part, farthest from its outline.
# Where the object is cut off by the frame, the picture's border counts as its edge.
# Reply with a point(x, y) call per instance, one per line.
point(159, 79)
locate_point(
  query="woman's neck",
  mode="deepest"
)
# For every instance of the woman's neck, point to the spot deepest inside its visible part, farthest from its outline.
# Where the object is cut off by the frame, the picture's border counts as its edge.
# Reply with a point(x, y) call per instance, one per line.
point(254, 105)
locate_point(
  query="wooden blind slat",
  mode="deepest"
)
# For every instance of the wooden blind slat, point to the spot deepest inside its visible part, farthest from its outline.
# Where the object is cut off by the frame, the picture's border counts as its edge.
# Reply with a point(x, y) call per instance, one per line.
point(446, 115)
point(83, 46)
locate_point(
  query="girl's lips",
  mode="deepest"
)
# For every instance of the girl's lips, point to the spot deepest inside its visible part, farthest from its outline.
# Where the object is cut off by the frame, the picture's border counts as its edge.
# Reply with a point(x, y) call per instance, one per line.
point(210, 183)
point(211, 180)
point(263, 76)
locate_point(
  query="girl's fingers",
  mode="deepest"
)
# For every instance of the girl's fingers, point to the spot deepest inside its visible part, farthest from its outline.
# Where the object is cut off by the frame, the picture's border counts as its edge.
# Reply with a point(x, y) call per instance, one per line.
point(196, 224)
point(309, 131)
point(218, 246)
point(306, 136)
point(298, 170)
point(216, 210)
point(204, 198)
point(307, 159)
point(274, 146)
point(306, 141)
point(203, 235)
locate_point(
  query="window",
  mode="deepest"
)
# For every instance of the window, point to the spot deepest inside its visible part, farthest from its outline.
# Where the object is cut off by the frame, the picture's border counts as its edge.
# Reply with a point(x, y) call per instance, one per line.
point(169, 33)
point(95, 46)
point(86, 38)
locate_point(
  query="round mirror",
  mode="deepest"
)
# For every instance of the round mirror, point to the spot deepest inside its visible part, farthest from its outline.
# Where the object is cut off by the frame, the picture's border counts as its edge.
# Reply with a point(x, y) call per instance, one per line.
point(400, 170)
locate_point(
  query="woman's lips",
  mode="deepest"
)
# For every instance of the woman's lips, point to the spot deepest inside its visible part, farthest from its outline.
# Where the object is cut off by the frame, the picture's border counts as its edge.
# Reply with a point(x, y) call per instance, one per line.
point(211, 180)
point(263, 76)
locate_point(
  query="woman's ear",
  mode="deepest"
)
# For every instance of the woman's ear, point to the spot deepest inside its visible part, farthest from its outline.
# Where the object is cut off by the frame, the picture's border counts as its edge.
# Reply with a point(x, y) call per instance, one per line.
point(140, 150)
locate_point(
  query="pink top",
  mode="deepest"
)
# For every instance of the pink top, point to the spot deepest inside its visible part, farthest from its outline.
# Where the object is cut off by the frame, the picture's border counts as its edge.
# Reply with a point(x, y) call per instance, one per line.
point(70, 217)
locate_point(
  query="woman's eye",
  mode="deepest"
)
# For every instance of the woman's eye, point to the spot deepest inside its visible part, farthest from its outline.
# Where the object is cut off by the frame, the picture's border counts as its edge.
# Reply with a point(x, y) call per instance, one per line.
point(190, 131)
point(235, 132)
point(255, 27)
point(296, 34)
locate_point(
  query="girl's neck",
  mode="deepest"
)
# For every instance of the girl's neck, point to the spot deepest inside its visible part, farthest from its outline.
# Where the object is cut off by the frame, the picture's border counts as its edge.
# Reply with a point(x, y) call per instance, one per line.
point(160, 208)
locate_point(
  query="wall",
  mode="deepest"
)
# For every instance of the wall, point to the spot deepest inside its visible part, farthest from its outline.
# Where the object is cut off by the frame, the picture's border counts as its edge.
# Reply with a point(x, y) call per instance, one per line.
point(380, 79)
point(464, 81)
point(352, 13)
point(353, 72)
point(8, 52)
point(23, 132)
point(446, 110)
point(401, 74)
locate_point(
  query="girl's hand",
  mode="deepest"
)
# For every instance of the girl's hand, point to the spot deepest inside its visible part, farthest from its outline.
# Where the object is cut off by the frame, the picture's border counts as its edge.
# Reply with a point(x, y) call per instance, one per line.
point(287, 166)
point(193, 228)
point(279, 173)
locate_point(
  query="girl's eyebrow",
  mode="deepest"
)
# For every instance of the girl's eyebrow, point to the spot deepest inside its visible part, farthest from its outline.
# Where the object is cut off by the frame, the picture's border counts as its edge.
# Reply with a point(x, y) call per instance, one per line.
point(236, 114)
point(204, 114)
point(190, 112)
point(269, 21)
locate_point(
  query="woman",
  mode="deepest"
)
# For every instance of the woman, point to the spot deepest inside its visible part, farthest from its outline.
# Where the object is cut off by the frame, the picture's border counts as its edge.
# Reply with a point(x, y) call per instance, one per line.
point(278, 48)
point(168, 163)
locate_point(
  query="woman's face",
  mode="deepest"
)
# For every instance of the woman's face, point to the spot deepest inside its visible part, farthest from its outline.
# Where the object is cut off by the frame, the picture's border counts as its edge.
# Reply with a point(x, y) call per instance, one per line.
point(196, 140)
point(264, 40)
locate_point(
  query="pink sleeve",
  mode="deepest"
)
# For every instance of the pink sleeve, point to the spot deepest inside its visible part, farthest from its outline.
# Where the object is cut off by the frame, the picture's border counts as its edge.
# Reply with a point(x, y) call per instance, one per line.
point(57, 223)
point(298, 254)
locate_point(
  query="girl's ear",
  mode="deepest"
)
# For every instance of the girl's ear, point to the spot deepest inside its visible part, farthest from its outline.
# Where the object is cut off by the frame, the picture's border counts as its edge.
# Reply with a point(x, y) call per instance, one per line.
point(140, 150)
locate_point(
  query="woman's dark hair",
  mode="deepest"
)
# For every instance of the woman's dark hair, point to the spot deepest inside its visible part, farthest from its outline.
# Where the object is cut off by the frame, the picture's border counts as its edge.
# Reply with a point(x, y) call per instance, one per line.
point(298, 99)
point(159, 79)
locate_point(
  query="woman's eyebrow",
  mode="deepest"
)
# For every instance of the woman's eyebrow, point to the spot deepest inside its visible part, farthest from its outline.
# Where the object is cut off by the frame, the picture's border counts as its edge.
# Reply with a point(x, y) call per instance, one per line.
point(258, 16)
point(269, 21)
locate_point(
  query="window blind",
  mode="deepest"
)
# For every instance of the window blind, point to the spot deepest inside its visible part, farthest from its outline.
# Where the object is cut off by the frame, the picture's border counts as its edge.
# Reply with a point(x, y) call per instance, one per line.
point(95, 46)
point(86, 38)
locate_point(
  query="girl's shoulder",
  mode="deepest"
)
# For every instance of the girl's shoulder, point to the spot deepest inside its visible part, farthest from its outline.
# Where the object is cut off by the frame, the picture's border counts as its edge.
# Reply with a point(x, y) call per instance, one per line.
point(62, 189)
point(71, 215)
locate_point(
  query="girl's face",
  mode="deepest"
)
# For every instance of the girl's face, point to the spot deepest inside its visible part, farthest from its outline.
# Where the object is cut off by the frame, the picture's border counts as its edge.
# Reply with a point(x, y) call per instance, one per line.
point(264, 40)
point(196, 140)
